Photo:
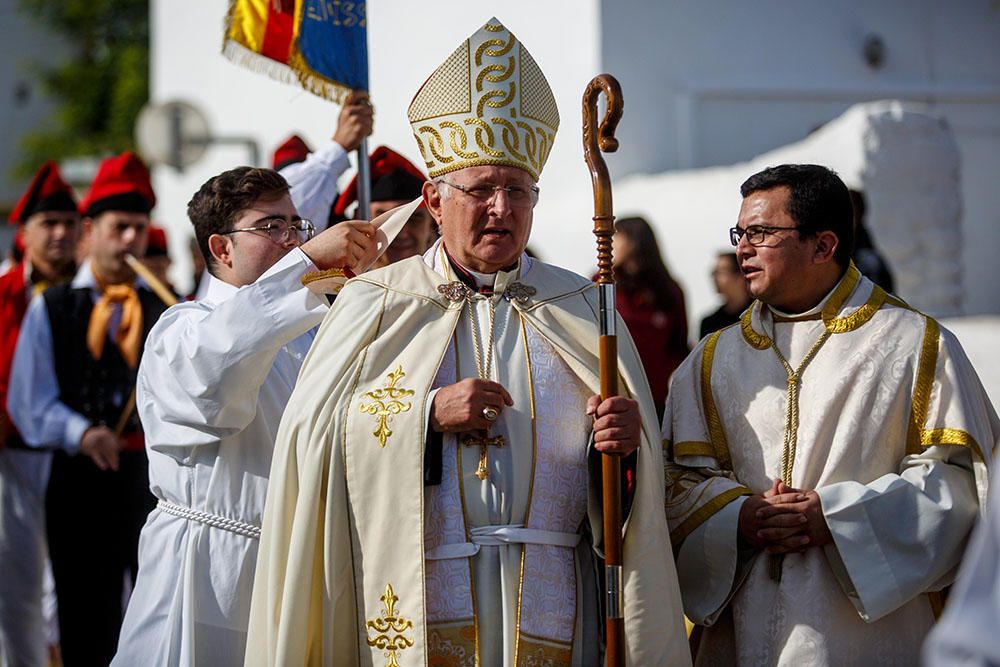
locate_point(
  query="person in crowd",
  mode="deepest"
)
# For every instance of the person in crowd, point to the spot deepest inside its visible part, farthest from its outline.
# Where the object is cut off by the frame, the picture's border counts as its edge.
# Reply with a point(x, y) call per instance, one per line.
point(71, 389)
point(48, 229)
point(870, 262)
point(157, 257)
point(213, 383)
point(651, 303)
point(430, 476)
point(826, 457)
point(394, 181)
point(732, 287)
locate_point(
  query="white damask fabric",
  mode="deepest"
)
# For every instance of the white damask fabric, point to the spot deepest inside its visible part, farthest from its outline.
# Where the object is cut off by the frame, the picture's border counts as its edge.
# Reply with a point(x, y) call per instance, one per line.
point(537, 479)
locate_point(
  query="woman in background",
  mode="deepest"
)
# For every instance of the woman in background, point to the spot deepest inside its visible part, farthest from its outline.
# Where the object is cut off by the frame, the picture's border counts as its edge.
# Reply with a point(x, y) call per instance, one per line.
point(651, 303)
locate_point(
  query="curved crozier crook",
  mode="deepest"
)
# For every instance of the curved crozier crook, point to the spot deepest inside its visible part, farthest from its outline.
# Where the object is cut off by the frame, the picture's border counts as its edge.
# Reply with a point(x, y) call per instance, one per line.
point(597, 138)
point(612, 114)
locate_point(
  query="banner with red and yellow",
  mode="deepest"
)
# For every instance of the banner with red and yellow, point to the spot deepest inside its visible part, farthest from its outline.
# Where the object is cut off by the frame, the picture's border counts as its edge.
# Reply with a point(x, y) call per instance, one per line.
point(321, 44)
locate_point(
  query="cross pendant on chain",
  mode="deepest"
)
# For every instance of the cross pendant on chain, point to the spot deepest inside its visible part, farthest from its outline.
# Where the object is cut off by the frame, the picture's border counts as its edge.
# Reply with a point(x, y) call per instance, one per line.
point(484, 443)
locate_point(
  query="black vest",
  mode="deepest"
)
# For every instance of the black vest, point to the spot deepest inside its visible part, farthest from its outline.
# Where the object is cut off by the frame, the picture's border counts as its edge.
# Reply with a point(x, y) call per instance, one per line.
point(98, 390)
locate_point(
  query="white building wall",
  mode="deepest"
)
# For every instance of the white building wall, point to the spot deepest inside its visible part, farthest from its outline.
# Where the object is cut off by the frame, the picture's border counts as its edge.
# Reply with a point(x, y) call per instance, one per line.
point(706, 82)
point(716, 82)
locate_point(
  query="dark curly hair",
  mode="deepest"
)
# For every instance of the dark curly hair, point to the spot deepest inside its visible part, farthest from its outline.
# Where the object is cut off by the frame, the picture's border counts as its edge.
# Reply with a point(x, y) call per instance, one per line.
point(217, 204)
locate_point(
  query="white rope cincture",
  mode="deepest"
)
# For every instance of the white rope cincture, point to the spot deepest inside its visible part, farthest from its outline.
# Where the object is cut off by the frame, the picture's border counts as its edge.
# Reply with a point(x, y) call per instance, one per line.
point(214, 520)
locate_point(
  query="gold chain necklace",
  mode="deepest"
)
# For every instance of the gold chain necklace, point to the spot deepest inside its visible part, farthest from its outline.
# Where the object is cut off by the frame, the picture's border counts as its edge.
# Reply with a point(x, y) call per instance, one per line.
point(483, 370)
point(791, 426)
point(792, 410)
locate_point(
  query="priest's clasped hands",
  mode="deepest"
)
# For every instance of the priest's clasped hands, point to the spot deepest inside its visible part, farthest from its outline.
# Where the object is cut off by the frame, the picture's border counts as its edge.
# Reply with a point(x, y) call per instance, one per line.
point(463, 407)
point(784, 520)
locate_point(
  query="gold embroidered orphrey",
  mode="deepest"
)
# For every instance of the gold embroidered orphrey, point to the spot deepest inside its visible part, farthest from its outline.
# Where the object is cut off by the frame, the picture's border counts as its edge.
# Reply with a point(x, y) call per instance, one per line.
point(385, 403)
point(389, 628)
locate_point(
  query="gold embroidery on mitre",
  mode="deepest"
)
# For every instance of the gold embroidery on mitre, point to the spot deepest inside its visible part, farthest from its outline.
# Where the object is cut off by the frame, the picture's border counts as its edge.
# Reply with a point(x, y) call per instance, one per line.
point(386, 403)
point(461, 116)
point(389, 628)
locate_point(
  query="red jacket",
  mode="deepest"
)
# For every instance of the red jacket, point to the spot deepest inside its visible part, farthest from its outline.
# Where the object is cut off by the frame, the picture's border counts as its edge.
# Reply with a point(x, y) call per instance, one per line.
point(13, 304)
point(660, 336)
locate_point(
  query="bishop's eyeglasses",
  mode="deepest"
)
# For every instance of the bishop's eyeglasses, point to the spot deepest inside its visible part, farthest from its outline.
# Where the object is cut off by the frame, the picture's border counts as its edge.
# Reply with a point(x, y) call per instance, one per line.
point(518, 196)
point(281, 232)
point(756, 234)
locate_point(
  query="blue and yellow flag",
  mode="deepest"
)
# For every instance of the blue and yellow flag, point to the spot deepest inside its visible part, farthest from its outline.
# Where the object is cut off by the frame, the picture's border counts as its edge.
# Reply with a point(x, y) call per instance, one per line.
point(321, 44)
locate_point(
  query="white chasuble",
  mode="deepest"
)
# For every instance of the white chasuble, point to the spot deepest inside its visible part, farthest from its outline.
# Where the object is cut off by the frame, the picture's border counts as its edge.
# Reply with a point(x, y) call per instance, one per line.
point(361, 563)
point(892, 429)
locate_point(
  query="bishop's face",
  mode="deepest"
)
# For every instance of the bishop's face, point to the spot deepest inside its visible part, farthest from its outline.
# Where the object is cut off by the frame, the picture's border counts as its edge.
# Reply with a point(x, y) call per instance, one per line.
point(483, 228)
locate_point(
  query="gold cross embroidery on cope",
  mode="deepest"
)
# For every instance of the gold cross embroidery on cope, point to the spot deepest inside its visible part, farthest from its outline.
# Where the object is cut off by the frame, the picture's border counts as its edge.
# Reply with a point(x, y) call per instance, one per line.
point(389, 628)
point(385, 403)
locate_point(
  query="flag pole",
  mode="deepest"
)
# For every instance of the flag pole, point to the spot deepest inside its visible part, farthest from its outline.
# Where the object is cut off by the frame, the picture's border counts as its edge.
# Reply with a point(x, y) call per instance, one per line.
point(364, 182)
point(595, 140)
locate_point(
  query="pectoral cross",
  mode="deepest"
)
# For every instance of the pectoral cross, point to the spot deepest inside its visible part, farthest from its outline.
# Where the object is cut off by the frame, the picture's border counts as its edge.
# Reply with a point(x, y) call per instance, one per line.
point(484, 443)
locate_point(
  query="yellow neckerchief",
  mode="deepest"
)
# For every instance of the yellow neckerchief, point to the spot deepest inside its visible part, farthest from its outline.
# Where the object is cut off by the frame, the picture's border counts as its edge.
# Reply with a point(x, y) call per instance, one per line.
point(129, 329)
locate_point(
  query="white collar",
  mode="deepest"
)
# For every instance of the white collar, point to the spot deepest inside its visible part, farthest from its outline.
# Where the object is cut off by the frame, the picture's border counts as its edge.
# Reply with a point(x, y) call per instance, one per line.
point(217, 291)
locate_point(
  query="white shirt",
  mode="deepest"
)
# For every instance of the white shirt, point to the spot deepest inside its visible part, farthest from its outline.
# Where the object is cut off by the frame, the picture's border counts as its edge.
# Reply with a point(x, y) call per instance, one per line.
point(213, 384)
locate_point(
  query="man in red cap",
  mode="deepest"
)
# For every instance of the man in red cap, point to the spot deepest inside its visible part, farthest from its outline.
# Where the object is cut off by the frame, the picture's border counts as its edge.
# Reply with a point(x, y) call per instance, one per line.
point(73, 374)
point(394, 181)
point(48, 227)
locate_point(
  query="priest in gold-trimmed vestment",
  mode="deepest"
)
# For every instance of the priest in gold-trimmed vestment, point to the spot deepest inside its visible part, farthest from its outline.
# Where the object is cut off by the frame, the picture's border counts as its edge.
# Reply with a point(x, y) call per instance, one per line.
point(827, 455)
point(431, 498)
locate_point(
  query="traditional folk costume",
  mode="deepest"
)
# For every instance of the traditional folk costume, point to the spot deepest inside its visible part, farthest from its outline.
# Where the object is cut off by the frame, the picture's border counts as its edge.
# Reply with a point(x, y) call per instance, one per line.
point(75, 367)
point(214, 380)
point(385, 544)
point(880, 412)
point(393, 178)
point(24, 471)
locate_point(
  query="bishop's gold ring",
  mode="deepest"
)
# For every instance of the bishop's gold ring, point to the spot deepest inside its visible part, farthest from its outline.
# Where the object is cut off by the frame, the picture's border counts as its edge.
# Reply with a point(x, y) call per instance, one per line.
point(490, 414)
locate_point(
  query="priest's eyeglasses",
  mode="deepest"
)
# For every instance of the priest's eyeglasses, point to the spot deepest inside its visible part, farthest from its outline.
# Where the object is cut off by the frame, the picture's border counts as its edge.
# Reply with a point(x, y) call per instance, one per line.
point(281, 232)
point(486, 192)
point(756, 234)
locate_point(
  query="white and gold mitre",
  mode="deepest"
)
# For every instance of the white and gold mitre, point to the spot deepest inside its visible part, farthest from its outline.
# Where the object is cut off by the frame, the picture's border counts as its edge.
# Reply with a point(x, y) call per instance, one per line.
point(487, 104)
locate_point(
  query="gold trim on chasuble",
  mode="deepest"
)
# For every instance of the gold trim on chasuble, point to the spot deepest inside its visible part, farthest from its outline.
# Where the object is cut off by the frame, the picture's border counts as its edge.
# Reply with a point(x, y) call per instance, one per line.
point(713, 422)
point(761, 341)
point(705, 512)
point(389, 628)
point(718, 449)
point(386, 403)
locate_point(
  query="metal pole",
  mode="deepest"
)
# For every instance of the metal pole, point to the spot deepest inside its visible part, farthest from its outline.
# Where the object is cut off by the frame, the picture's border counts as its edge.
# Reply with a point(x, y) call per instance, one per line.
point(364, 182)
